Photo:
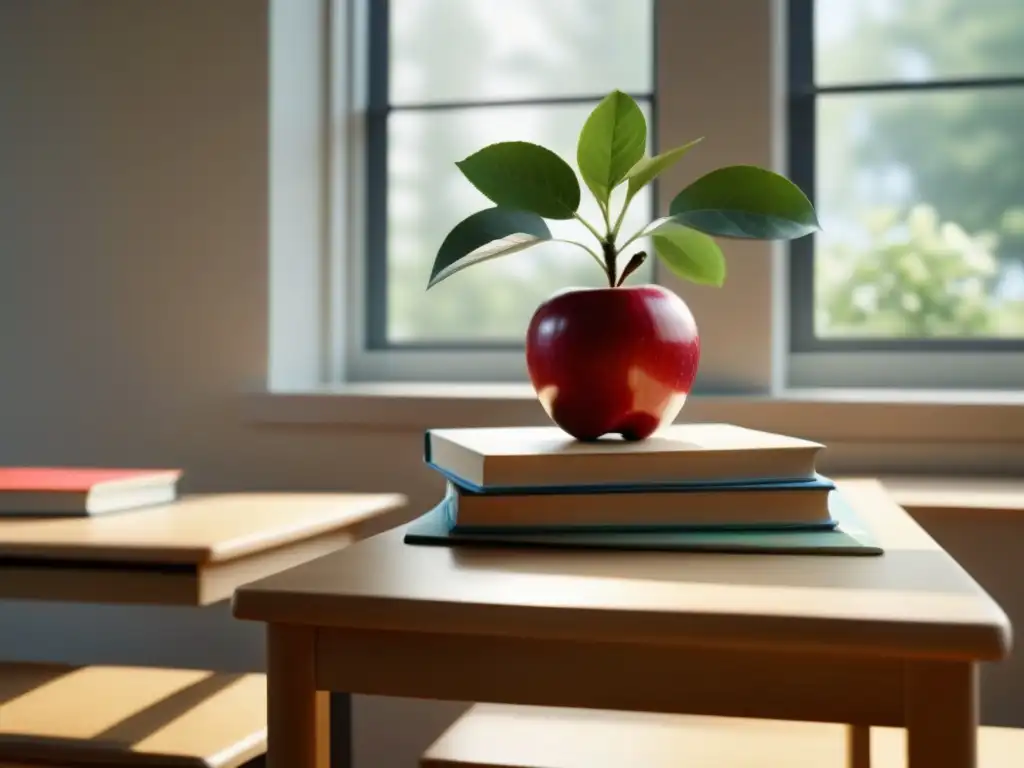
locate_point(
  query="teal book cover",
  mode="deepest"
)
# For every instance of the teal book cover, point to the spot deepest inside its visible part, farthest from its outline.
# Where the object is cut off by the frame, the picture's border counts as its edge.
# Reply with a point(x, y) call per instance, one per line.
point(816, 483)
point(822, 485)
point(848, 537)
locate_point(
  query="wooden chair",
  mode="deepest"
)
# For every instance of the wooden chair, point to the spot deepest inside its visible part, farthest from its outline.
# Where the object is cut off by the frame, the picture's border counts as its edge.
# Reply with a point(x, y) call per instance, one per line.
point(491, 736)
point(56, 716)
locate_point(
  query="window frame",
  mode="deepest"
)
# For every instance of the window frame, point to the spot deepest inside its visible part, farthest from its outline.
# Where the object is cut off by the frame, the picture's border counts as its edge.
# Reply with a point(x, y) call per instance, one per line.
point(379, 109)
point(803, 95)
point(746, 329)
point(741, 363)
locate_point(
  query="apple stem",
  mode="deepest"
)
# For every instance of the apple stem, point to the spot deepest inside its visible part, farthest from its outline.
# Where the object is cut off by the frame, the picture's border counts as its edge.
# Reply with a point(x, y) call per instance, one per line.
point(608, 248)
point(634, 264)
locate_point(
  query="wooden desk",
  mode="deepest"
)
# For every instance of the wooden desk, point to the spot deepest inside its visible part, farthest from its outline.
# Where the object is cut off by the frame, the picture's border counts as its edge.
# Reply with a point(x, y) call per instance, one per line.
point(893, 640)
point(195, 552)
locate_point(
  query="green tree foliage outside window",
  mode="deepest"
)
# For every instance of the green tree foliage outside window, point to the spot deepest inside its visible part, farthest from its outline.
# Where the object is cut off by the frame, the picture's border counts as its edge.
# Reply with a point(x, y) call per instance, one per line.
point(918, 278)
point(955, 158)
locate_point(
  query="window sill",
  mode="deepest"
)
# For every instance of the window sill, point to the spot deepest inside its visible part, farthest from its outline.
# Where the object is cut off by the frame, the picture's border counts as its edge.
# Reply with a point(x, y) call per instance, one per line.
point(886, 432)
point(816, 413)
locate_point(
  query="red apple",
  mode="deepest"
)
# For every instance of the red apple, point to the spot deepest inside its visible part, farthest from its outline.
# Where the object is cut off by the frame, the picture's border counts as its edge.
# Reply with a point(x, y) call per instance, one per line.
point(613, 360)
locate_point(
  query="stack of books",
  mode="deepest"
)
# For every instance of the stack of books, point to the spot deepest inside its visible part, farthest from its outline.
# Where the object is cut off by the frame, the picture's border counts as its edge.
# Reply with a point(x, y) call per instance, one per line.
point(714, 487)
point(83, 491)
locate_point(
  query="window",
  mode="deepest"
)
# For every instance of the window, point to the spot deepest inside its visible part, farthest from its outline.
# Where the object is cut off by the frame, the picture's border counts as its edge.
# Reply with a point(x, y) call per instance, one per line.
point(905, 121)
point(906, 135)
point(446, 78)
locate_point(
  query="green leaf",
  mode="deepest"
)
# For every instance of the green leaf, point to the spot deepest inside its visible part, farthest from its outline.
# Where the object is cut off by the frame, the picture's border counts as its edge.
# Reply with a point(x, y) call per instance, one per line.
point(485, 235)
point(649, 168)
point(612, 141)
point(529, 177)
point(745, 201)
point(689, 254)
point(654, 225)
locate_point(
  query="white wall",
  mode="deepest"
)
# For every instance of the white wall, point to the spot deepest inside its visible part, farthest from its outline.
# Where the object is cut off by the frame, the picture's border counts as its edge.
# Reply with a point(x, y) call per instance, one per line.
point(133, 298)
point(133, 311)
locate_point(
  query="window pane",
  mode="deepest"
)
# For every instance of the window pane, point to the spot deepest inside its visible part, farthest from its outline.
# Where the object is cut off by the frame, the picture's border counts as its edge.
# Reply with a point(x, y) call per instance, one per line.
point(921, 196)
point(428, 196)
point(912, 40)
point(476, 50)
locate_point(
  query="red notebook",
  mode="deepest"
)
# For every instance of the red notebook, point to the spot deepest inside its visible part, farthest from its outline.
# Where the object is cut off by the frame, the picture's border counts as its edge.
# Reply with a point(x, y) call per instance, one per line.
point(83, 491)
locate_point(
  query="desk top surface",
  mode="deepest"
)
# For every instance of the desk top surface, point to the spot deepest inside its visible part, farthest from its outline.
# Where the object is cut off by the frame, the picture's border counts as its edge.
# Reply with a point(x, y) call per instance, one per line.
point(196, 530)
point(914, 601)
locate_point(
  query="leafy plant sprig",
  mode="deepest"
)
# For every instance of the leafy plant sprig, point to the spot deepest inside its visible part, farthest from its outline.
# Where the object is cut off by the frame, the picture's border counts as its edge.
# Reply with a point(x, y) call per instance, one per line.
point(529, 183)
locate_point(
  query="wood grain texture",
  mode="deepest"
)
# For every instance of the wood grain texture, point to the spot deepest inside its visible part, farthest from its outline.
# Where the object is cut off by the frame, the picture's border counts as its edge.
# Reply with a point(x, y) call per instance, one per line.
point(490, 736)
point(914, 601)
point(199, 529)
point(130, 716)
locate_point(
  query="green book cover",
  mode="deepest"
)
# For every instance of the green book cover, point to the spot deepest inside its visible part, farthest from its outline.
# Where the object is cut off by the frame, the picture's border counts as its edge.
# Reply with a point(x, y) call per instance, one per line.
point(848, 537)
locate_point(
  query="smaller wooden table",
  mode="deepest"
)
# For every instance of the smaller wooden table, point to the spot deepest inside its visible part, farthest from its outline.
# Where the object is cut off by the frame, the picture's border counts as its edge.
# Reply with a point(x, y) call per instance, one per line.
point(194, 552)
point(892, 640)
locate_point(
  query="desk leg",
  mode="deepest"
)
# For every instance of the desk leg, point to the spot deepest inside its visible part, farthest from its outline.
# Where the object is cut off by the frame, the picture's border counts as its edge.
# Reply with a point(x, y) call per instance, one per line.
point(941, 713)
point(341, 730)
point(858, 746)
point(298, 716)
